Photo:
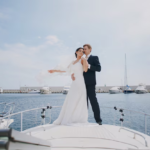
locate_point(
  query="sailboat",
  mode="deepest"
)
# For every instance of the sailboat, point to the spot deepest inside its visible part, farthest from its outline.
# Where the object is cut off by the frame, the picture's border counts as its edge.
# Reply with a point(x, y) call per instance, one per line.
point(127, 88)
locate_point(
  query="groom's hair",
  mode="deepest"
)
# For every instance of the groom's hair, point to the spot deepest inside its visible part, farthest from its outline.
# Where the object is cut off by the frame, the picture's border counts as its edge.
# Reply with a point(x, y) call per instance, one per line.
point(88, 45)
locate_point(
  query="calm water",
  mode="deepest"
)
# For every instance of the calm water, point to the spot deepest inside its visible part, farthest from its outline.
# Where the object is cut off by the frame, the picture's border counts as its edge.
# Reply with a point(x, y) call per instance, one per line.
point(110, 116)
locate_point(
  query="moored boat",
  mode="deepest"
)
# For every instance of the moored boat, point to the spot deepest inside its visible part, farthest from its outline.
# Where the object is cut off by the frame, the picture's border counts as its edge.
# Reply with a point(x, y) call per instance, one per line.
point(35, 91)
point(115, 90)
point(66, 89)
point(45, 90)
point(128, 90)
point(1, 90)
point(141, 89)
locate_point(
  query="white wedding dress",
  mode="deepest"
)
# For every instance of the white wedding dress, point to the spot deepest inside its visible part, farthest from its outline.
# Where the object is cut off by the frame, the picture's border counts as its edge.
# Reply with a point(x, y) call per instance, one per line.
point(74, 109)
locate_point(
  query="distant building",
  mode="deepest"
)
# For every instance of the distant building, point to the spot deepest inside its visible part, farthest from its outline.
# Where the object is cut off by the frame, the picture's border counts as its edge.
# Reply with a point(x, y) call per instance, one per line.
point(53, 89)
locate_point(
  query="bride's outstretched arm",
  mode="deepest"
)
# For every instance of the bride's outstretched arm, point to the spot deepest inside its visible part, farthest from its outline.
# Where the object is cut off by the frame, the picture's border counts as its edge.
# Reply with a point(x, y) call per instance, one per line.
point(52, 71)
point(85, 64)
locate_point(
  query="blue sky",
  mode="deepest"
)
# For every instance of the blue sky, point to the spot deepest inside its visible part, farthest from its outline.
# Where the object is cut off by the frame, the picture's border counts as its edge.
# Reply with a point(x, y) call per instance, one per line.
point(35, 34)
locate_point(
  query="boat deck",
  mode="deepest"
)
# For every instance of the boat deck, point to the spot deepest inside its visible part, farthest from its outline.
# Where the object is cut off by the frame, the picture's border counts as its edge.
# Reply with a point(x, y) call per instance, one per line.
point(91, 136)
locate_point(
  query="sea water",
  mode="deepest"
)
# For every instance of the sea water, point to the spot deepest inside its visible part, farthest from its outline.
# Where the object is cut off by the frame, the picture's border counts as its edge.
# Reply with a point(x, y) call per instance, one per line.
point(133, 120)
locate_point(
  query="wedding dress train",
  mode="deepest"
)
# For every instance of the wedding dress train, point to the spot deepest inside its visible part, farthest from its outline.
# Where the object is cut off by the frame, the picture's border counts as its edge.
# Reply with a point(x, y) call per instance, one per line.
point(74, 109)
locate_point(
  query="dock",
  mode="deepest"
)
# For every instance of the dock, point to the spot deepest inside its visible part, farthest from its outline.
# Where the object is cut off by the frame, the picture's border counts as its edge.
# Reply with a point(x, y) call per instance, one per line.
point(59, 89)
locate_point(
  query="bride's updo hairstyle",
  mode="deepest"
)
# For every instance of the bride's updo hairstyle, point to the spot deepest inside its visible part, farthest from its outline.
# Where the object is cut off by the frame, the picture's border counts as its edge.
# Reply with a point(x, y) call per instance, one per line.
point(77, 51)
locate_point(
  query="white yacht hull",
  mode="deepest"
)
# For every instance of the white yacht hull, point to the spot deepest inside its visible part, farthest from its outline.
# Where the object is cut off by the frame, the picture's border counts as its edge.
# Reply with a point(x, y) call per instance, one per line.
point(5, 122)
point(65, 92)
point(140, 92)
point(45, 92)
point(141, 89)
point(114, 92)
point(33, 92)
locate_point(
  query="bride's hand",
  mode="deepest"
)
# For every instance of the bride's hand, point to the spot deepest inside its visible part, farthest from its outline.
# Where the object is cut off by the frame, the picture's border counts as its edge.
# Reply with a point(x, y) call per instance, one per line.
point(83, 59)
point(51, 71)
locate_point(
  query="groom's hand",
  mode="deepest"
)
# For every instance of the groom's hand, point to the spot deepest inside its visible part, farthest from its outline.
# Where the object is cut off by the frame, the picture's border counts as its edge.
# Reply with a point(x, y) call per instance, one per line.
point(72, 76)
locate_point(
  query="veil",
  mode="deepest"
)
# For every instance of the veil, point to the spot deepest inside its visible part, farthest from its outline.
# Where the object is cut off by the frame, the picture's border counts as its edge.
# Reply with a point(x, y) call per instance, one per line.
point(64, 65)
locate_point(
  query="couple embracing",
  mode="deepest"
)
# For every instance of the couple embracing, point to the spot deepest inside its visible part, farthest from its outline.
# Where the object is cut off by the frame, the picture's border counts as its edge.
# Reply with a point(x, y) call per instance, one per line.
point(83, 73)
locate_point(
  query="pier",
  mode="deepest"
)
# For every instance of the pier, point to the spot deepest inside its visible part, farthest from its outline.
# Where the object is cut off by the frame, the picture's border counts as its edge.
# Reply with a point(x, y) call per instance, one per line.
point(59, 89)
point(13, 91)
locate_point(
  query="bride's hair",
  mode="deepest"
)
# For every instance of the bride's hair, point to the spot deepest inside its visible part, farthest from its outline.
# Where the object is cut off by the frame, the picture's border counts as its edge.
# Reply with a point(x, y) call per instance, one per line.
point(77, 51)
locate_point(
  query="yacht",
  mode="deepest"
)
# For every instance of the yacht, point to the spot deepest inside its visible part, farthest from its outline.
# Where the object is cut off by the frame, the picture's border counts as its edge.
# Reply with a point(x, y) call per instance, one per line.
point(1, 90)
point(35, 91)
point(4, 123)
point(128, 90)
point(45, 90)
point(90, 136)
point(7, 109)
point(66, 89)
point(141, 89)
point(115, 90)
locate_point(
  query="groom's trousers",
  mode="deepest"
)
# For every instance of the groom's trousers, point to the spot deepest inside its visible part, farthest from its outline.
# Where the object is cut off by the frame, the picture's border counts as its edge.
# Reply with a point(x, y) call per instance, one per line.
point(91, 95)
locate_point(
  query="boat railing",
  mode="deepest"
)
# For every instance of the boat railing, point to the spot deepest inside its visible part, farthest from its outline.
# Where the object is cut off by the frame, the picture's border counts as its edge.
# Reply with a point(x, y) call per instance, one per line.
point(119, 117)
point(7, 109)
point(21, 113)
point(135, 133)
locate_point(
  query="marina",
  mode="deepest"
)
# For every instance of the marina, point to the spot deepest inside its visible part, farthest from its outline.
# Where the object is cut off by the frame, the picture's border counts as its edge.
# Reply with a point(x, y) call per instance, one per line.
point(60, 89)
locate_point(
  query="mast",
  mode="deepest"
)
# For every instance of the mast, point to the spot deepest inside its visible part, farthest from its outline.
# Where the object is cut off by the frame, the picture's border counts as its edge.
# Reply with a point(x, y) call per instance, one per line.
point(125, 76)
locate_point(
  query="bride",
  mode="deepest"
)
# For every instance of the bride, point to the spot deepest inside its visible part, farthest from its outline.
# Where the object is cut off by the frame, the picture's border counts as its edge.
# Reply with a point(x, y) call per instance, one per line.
point(74, 109)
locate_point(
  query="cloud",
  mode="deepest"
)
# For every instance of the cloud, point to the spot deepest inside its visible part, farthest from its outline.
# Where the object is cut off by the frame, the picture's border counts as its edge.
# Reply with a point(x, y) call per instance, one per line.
point(34, 57)
point(51, 39)
point(18, 55)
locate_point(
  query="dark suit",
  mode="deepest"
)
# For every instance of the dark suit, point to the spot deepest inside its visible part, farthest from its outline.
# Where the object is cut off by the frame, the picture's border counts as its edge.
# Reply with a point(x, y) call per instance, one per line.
point(90, 82)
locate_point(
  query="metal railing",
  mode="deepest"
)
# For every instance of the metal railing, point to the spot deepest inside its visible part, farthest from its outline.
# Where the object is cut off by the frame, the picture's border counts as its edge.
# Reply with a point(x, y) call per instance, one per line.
point(10, 108)
point(135, 135)
point(22, 112)
point(7, 110)
point(122, 112)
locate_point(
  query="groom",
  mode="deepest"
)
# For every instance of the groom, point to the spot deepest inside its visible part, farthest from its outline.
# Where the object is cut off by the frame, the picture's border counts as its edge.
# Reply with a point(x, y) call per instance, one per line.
point(90, 80)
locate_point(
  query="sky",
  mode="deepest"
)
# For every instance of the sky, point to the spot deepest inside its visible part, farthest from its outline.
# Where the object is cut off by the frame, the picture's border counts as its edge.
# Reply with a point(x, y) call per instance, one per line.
point(35, 35)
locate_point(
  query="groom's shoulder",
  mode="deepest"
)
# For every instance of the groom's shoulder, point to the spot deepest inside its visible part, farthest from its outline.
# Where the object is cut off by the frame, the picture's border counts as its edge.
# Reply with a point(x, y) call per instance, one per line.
point(93, 56)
